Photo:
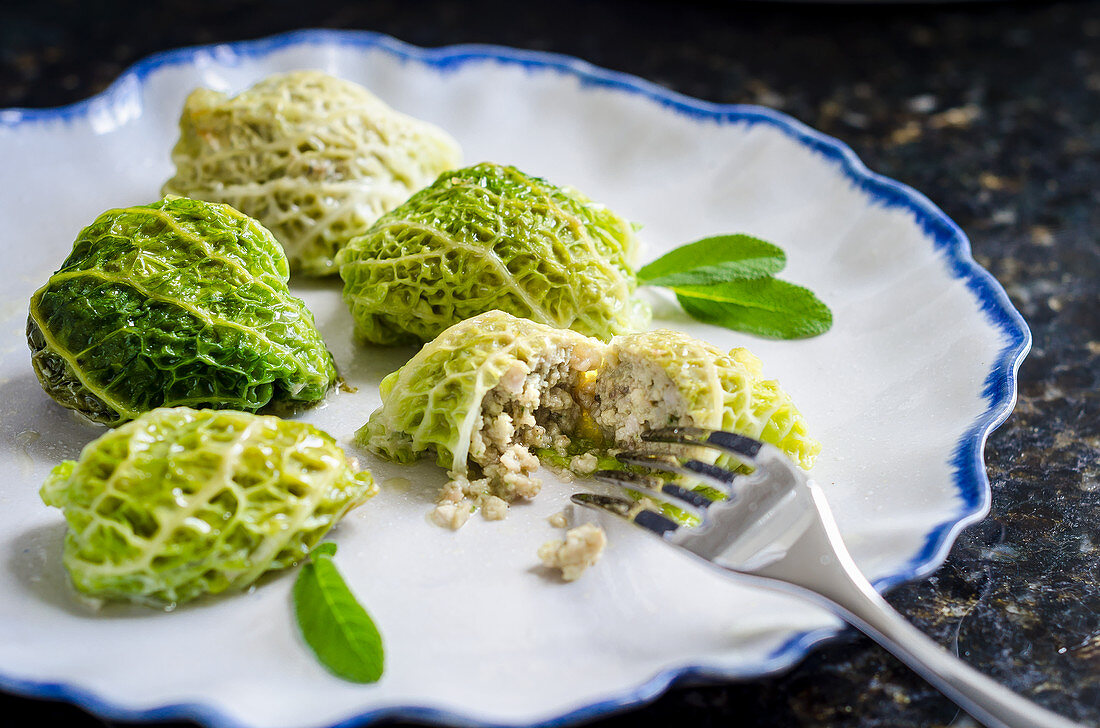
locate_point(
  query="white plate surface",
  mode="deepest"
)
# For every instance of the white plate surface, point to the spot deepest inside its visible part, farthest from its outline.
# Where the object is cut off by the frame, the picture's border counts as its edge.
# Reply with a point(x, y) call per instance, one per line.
point(919, 366)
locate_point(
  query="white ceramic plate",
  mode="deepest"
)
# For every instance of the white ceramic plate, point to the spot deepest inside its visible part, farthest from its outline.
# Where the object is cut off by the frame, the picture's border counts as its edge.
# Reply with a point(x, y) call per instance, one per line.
point(902, 392)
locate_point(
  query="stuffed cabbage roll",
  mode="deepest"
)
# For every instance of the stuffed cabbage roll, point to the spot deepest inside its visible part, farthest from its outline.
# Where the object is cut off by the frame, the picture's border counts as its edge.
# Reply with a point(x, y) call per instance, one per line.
point(181, 502)
point(315, 158)
point(180, 302)
point(491, 237)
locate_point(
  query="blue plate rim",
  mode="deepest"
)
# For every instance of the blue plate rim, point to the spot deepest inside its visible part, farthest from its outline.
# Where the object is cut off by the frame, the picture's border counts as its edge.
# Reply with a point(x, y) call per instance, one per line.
point(999, 390)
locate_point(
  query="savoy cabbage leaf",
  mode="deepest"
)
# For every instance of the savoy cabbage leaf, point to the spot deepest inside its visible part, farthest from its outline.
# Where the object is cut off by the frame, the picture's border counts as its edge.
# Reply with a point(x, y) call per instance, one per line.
point(180, 302)
point(491, 237)
point(315, 158)
point(182, 502)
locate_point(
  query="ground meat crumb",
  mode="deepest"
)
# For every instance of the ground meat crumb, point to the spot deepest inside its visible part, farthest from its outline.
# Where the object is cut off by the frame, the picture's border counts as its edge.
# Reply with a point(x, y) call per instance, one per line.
point(559, 520)
point(452, 492)
point(494, 509)
point(451, 515)
point(565, 476)
point(477, 487)
point(584, 464)
point(580, 549)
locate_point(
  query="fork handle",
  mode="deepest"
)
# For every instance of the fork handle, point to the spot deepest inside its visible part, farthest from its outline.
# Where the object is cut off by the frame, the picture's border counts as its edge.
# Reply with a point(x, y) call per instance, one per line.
point(986, 700)
point(836, 583)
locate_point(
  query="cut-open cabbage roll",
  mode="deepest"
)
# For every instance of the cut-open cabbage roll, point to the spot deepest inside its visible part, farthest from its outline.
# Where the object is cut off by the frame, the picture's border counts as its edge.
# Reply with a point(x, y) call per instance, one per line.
point(492, 393)
point(479, 397)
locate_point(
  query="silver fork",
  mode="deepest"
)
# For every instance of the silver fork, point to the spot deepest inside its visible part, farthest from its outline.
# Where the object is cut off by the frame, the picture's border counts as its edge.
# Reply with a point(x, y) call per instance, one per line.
point(776, 528)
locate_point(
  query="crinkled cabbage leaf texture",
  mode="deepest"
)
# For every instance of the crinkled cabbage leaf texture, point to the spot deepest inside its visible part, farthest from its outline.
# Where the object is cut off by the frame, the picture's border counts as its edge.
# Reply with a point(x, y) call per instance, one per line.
point(180, 302)
point(182, 502)
point(491, 237)
point(315, 158)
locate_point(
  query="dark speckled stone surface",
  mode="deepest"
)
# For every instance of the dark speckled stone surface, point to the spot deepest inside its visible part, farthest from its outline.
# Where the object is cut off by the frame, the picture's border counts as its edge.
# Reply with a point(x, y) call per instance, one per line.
point(991, 109)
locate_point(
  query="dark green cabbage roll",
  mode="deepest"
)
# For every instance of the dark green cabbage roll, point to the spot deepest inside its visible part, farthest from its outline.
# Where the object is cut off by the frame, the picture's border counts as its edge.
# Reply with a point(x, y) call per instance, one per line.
point(180, 302)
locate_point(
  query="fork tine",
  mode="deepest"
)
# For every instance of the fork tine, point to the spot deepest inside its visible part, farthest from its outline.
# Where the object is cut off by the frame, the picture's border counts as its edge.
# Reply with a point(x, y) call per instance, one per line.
point(632, 511)
point(629, 479)
point(743, 447)
point(652, 485)
point(712, 474)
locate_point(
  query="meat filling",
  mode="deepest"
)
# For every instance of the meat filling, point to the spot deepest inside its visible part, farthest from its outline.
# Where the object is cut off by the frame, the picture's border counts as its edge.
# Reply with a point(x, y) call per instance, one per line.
point(527, 409)
point(544, 407)
point(634, 396)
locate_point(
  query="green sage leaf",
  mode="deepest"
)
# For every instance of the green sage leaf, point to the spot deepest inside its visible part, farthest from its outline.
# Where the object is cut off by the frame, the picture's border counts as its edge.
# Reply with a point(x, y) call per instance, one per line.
point(713, 260)
point(334, 625)
point(765, 306)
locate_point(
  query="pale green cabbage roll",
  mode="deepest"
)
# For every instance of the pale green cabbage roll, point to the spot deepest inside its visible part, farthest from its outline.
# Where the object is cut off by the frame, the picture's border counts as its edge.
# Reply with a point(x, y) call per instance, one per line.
point(182, 502)
point(315, 158)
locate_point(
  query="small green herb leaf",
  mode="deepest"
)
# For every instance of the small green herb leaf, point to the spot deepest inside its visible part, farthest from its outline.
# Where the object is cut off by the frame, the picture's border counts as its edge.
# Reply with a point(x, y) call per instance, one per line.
point(333, 623)
point(714, 260)
point(765, 306)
